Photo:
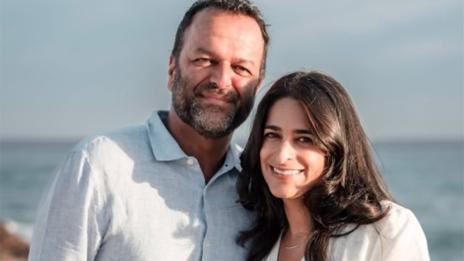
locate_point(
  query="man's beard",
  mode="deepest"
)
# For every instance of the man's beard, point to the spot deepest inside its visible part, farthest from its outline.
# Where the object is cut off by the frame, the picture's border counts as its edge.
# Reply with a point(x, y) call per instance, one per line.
point(211, 120)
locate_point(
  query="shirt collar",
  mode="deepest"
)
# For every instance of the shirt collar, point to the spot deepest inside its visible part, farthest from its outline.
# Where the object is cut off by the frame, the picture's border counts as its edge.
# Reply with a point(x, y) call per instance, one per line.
point(166, 148)
point(163, 145)
point(233, 156)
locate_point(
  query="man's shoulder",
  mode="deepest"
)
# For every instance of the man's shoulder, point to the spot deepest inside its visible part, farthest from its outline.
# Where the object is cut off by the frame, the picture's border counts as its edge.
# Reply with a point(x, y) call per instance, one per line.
point(126, 142)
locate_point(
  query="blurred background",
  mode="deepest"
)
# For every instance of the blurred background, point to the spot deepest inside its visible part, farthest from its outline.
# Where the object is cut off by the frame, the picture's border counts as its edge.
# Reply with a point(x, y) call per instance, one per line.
point(72, 68)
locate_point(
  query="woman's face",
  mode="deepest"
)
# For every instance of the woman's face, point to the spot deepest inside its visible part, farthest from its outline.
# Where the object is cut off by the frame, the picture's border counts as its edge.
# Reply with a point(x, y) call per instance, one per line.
point(289, 161)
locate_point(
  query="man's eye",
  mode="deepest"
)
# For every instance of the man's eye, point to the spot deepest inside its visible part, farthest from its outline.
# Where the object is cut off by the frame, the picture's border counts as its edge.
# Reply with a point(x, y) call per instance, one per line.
point(242, 70)
point(202, 61)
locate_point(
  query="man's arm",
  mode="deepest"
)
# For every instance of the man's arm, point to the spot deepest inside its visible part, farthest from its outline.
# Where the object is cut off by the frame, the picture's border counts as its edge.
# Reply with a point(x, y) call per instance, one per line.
point(71, 218)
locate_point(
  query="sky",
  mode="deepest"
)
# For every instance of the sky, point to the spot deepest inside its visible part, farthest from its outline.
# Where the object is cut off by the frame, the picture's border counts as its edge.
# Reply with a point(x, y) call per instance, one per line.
point(72, 68)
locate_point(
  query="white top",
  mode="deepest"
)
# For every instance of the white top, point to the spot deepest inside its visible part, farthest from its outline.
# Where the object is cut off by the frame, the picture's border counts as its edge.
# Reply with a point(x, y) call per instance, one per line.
point(135, 195)
point(398, 236)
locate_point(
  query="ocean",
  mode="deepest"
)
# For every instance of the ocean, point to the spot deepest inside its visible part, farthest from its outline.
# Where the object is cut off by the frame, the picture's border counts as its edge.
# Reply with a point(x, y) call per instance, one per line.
point(426, 177)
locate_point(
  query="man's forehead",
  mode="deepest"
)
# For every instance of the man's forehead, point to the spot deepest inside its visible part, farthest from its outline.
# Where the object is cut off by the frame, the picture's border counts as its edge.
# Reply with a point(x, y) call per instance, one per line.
point(210, 23)
point(210, 17)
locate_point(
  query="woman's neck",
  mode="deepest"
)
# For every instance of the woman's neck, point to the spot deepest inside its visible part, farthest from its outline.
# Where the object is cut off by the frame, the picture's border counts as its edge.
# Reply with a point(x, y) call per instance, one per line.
point(300, 226)
point(298, 217)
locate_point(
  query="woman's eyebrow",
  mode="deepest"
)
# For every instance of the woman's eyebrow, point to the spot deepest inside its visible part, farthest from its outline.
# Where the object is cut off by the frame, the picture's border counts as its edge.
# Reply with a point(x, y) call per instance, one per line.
point(277, 128)
point(303, 131)
point(273, 127)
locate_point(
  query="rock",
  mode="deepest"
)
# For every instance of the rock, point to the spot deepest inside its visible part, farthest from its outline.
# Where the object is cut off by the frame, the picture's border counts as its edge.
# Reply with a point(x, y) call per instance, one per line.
point(12, 248)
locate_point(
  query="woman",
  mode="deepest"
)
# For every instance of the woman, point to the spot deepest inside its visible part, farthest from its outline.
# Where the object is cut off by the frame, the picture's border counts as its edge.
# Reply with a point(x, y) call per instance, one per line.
point(309, 175)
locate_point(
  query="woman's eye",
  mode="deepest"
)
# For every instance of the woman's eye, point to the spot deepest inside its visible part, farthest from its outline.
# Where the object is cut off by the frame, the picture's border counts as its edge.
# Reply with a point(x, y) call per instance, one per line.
point(304, 140)
point(270, 135)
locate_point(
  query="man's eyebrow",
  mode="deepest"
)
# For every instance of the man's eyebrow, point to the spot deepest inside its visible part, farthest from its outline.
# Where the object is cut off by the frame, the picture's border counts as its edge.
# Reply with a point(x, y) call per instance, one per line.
point(202, 50)
point(242, 61)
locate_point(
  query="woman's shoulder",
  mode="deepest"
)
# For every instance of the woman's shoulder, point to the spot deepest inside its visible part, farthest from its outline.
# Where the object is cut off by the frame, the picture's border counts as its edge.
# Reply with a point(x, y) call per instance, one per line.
point(399, 221)
point(396, 220)
point(397, 235)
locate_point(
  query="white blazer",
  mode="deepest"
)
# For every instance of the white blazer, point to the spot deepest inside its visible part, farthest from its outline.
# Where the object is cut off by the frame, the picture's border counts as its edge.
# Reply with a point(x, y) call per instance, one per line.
point(397, 236)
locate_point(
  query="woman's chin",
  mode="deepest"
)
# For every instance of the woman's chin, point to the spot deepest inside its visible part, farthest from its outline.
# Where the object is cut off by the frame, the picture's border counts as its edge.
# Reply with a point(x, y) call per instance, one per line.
point(283, 194)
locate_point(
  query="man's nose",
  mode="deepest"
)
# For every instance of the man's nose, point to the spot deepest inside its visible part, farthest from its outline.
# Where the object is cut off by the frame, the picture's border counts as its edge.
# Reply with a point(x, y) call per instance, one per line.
point(221, 76)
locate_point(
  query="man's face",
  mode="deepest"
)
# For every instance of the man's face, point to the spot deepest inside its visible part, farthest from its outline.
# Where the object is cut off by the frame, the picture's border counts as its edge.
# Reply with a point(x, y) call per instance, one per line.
point(215, 77)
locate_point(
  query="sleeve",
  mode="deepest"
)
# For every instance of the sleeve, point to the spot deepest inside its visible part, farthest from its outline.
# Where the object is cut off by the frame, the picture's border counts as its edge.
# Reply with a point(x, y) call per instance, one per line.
point(404, 238)
point(71, 221)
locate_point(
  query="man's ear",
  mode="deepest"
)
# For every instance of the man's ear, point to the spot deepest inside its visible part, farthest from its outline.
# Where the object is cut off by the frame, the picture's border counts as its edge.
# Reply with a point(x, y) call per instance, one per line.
point(171, 71)
point(258, 86)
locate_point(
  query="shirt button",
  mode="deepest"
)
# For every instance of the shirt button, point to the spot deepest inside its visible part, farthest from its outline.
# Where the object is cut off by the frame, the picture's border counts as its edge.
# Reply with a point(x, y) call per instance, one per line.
point(189, 161)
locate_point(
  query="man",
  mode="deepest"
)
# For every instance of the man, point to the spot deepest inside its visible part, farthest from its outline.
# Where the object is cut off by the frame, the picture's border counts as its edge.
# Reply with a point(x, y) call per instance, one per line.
point(166, 190)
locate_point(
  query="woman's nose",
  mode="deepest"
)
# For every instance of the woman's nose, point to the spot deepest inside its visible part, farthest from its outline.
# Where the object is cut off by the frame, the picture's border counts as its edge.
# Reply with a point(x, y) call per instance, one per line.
point(285, 152)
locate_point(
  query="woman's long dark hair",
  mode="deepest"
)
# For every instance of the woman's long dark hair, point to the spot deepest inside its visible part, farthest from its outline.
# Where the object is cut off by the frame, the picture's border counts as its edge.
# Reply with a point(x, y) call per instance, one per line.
point(351, 188)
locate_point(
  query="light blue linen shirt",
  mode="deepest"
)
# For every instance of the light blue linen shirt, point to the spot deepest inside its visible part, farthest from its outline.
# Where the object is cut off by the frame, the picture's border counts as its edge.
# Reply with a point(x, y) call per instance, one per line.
point(135, 195)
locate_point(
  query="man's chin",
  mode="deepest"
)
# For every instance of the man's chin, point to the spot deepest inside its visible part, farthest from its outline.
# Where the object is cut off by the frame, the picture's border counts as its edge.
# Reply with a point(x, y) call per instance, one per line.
point(211, 133)
point(213, 125)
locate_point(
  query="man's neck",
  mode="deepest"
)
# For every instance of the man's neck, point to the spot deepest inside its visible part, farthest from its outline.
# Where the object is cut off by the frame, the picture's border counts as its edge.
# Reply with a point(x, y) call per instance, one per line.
point(210, 153)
